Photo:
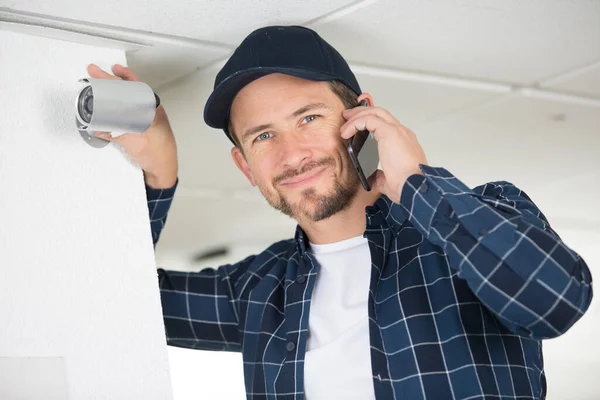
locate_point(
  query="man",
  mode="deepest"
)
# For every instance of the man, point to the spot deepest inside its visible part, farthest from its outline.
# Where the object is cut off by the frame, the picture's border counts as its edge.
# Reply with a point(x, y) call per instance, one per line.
point(420, 288)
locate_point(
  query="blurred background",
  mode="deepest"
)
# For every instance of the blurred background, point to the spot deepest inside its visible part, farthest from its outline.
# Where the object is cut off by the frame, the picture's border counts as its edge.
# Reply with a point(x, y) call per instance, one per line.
point(494, 90)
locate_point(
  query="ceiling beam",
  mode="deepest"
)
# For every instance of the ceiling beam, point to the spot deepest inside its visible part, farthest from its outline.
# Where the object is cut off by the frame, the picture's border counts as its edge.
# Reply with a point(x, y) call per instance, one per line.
point(116, 33)
point(427, 77)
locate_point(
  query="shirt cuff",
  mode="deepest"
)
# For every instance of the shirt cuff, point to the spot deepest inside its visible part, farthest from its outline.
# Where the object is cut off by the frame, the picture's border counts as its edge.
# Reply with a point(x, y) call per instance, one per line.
point(153, 194)
point(421, 199)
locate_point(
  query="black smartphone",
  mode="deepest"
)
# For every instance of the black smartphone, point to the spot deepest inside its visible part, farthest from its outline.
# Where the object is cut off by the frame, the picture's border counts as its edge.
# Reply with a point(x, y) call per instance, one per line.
point(362, 149)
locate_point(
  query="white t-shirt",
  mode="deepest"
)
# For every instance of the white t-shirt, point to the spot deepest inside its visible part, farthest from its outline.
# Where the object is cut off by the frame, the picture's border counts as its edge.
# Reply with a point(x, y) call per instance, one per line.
point(338, 357)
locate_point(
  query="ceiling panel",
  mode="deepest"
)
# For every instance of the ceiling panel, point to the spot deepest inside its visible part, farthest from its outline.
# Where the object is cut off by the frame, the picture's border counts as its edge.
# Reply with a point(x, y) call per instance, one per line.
point(587, 83)
point(160, 65)
point(510, 40)
point(549, 149)
point(220, 21)
point(414, 103)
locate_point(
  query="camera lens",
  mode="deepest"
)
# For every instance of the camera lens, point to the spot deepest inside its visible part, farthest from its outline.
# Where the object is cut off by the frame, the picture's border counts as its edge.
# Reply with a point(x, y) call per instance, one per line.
point(89, 105)
point(85, 104)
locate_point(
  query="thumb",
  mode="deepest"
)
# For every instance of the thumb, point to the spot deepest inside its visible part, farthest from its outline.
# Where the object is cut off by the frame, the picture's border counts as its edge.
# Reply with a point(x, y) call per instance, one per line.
point(129, 141)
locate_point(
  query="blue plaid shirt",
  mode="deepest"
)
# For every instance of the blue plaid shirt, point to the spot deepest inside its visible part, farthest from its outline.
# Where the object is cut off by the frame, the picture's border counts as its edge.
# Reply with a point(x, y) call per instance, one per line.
point(464, 286)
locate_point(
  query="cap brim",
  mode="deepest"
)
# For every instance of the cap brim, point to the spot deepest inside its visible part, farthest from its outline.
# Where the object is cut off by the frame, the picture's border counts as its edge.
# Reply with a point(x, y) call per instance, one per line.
point(216, 110)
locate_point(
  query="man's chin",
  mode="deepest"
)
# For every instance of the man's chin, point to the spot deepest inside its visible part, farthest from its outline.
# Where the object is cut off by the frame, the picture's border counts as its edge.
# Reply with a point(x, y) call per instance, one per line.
point(316, 207)
point(315, 203)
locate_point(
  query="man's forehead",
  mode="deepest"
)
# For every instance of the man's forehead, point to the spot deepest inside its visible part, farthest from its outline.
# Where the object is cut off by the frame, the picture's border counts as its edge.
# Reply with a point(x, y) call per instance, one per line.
point(252, 105)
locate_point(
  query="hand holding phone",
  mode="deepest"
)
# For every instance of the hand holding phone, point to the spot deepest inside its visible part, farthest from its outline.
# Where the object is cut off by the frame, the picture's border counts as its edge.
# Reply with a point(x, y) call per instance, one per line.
point(363, 152)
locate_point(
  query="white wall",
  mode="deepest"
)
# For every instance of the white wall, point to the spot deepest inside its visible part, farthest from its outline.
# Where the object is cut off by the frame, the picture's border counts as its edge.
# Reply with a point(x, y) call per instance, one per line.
point(79, 297)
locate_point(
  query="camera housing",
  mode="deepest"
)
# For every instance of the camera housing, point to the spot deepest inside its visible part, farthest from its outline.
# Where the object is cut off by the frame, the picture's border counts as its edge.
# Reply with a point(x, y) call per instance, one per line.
point(105, 105)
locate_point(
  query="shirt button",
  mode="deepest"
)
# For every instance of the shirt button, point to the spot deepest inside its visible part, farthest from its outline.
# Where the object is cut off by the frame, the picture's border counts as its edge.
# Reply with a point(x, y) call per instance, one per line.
point(424, 188)
point(290, 346)
point(301, 278)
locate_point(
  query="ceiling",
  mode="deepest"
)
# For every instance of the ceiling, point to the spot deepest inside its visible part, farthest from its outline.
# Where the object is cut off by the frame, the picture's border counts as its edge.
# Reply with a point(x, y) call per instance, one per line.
point(495, 90)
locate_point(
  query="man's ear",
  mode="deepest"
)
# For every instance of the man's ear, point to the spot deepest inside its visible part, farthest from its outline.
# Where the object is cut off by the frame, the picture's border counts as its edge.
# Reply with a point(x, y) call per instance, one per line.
point(368, 97)
point(240, 162)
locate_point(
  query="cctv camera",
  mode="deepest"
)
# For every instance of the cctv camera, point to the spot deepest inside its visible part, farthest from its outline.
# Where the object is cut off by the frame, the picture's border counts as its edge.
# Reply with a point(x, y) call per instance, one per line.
point(106, 105)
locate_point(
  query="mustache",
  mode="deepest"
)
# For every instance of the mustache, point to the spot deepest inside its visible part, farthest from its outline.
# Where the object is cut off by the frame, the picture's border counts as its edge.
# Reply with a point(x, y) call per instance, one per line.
point(292, 173)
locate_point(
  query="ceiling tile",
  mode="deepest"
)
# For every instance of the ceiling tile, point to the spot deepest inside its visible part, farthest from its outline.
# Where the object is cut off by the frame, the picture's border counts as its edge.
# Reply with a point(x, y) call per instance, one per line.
point(222, 21)
point(160, 65)
point(415, 103)
point(549, 149)
point(509, 41)
point(587, 83)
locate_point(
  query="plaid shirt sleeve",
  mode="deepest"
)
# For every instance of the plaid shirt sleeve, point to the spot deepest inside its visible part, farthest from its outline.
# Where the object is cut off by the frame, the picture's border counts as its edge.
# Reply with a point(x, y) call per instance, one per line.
point(500, 243)
point(159, 202)
point(199, 308)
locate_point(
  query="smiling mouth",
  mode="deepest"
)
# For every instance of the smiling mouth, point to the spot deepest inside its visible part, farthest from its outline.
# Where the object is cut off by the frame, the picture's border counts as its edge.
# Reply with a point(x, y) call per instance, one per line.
point(305, 178)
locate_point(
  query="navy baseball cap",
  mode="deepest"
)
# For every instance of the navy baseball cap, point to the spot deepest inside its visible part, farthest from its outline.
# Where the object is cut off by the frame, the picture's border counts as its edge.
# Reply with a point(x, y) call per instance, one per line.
point(290, 50)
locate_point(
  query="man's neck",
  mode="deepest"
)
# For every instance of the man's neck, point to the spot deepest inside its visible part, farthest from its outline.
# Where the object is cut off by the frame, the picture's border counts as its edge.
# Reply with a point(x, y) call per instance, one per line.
point(345, 224)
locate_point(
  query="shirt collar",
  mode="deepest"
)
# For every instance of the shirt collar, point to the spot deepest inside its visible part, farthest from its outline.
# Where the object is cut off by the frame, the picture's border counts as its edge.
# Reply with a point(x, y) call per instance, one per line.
point(383, 211)
point(393, 213)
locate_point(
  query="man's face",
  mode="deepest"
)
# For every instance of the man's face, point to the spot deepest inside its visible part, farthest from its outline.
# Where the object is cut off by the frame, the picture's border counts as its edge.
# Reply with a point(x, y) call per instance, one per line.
point(288, 129)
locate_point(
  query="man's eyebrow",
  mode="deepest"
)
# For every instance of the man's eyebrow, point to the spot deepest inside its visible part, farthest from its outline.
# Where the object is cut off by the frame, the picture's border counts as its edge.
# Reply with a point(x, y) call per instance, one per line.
point(298, 112)
point(308, 107)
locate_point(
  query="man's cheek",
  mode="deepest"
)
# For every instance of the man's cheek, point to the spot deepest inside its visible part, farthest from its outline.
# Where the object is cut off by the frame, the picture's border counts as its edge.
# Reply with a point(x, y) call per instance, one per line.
point(266, 180)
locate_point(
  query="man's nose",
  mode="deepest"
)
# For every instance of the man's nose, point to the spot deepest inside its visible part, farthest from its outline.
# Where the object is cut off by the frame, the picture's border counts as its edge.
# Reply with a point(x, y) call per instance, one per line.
point(295, 151)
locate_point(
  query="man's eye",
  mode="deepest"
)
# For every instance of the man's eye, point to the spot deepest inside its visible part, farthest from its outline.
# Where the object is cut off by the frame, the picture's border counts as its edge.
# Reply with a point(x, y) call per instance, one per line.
point(309, 118)
point(263, 136)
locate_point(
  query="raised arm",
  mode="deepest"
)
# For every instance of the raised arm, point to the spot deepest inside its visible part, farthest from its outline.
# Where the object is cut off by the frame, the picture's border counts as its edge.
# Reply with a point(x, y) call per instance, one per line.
point(501, 244)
